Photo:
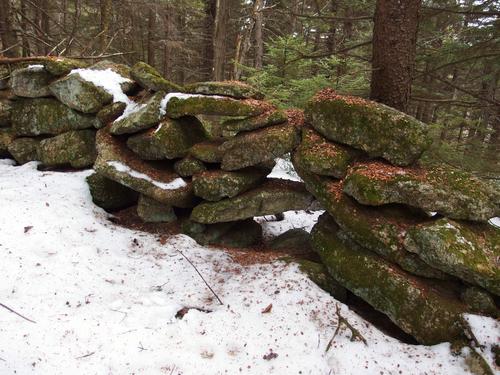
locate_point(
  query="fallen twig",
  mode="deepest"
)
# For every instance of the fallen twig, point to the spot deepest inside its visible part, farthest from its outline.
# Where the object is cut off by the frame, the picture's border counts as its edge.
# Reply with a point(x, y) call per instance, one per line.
point(198, 272)
point(354, 332)
point(15, 312)
point(86, 355)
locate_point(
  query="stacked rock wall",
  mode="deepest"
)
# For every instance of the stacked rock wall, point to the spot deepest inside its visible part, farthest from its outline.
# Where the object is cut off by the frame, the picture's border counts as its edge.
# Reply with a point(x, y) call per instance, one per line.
point(412, 241)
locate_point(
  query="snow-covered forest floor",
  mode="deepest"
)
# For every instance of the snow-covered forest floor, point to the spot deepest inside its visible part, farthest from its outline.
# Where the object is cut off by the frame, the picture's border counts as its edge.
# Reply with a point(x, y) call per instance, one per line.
point(105, 300)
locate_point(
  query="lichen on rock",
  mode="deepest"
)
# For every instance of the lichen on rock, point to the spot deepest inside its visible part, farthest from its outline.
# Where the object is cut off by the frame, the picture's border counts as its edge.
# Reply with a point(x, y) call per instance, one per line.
point(75, 148)
point(212, 105)
point(24, 150)
point(31, 82)
point(234, 89)
point(189, 166)
point(150, 79)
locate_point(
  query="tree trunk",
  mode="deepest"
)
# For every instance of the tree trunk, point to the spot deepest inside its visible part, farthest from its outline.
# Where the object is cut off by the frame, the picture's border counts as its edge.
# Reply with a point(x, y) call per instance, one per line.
point(106, 9)
point(219, 43)
point(259, 42)
point(208, 49)
point(7, 34)
point(394, 47)
point(151, 35)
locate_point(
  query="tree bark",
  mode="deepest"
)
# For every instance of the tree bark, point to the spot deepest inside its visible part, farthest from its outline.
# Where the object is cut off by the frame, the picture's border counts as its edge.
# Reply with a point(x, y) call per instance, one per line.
point(7, 34)
point(394, 47)
point(259, 41)
point(208, 49)
point(106, 9)
point(219, 43)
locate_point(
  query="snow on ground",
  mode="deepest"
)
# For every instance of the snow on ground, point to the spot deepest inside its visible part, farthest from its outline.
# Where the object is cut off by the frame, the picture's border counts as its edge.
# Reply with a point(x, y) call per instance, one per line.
point(104, 299)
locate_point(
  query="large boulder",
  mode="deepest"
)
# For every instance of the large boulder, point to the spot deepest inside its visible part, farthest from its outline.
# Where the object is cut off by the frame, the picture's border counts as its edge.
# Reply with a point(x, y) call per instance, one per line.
point(110, 113)
point(293, 241)
point(470, 252)
point(450, 192)
point(109, 194)
point(24, 150)
point(60, 66)
point(78, 93)
point(418, 306)
point(234, 234)
point(75, 148)
point(145, 116)
point(235, 89)
point(118, 163)
point(272, 116)
point(319, 275)
point(208, 151)
point(150, 79)
point(192, 105)
point(216, 184)
point(32, 117)
point(171, 139)
point(317, 155)
point(152, 211)
point(379, 130)
point(271, 197)
point(189, 166)
point(6, 138)
point(31, 82)
point(378, 229)
point(5, 109)
point(255, 147)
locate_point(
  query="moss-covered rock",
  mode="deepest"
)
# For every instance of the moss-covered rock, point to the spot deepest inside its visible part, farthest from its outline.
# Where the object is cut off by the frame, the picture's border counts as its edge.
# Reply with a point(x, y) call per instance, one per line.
point(480, 301)
point(80, 94)
point(171, 139)
point(186, 105)
point(5, 109)
point(255, 147)
point(295, 240)
point(450, 192)
point(109, 194)
point(60, 66)
point(235, 89)
point(145, 116)
point(118, 163)
point(208, 151)
point(270, 117)
point(414, 304)
point(212, 125)
point(189, 166)
point(215, 185)
point(234, 234)
point(75, 148)
point(6, 138)
point(110, 113)
point(24, 150)
point(372, 127)
point(152, 211)
point(319, 275)
point(150, 79)
point(32, 117)
point(470, 252)
point(31, 82)
point(121, 69)
point(378, 229)
point(317, 155)
point(271, 197)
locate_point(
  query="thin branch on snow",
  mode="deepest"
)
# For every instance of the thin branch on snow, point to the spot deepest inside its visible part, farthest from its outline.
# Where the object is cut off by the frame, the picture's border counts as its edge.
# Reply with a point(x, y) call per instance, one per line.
point(198, 272)
point(355, 334)
point(15, 312)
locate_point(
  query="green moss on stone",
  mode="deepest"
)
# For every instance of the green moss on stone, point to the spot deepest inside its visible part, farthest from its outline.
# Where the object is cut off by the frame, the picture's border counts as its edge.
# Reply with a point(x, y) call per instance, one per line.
point(110, 113)
point(319, 275)
point(6, 138)
point(149, 78)
point(152, 211)
point(268, 118)
point(31, 82)
point(60, 66)
point(189, 166)
point(5, 110)
point(235, 89)
point(207, 105)
point(75, 148)
point(24, 150)
point(208, 151)
point(272, 197)
point(109, 194)
point(252, 148)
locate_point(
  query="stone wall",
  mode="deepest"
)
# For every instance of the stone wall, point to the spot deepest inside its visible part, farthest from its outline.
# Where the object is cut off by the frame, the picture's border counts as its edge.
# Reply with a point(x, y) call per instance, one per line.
point(412, 241)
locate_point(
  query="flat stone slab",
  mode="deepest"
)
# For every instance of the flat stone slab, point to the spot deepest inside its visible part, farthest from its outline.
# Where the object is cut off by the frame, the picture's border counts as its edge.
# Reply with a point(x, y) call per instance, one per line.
point(152, 211)
point(207, 151)
point(318, 155)
point(80, 94)
point(170, 139)
point(46, 116)
point(118, 163)
point(416, 305)
point(110, 195)
point(259, 146)
point(189, 166)
point(271, 116)
point(24, 150)
point(450, 192)
point(380, 230)
point(215, 185)
point(379, 130)
point(149, 78)
point(467, 251)
point(75, 148)
point(235, 89)
point(272, 197)
point(60, 66)
point(31, 82)
point(143, 116)
point(179, 105)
